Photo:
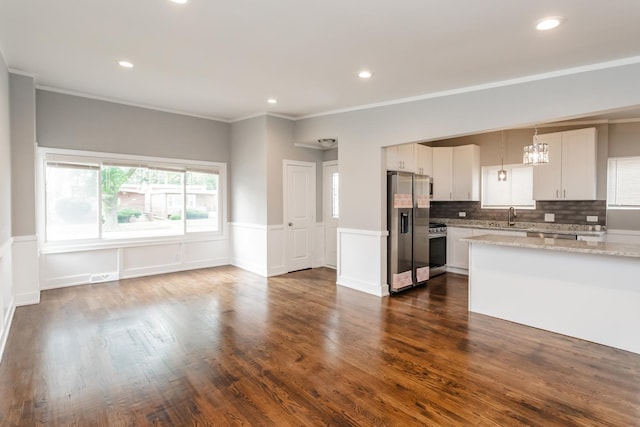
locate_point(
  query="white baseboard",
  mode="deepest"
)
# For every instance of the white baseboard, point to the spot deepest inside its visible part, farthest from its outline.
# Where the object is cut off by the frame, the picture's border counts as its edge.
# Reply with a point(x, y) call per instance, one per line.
point(25, 270)
point(457, 270)
point(27, 298)
point(249, 247)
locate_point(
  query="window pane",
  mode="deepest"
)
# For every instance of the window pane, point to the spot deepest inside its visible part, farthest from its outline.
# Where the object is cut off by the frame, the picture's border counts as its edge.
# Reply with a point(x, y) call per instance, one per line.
point(141, 202)
point(516, 191)
point(334, 195)
point(202, 202)
point(624, 182)
point(72, 203)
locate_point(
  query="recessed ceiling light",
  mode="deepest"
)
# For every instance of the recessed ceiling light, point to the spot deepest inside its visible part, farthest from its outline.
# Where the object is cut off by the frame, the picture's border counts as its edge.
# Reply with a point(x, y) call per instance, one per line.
point(179, 1)
point(125, 64)
point(364, 74)
point(549, 23)
point(272, 101)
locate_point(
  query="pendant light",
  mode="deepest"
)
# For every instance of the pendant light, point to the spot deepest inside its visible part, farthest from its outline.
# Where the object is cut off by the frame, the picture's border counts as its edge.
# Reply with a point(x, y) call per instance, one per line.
point(502, 173)
point(536, 153)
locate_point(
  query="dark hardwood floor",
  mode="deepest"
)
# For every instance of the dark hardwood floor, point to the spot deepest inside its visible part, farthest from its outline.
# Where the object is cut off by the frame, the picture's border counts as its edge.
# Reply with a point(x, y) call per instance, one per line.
point(223, 346)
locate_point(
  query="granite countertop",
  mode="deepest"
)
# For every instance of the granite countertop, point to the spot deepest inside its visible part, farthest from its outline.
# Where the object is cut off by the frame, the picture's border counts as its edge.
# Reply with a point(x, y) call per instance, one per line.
point(547, 227)
point(563, 245)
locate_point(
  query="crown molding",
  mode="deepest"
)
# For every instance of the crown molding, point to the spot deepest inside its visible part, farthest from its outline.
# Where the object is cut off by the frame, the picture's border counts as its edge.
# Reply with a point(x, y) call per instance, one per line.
point(131, 104)
point(262, 114)
point(476, 88)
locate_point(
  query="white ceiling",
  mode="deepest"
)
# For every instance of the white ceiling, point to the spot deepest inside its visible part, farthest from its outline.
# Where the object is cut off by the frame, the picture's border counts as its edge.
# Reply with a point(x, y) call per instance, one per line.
point(223, 59)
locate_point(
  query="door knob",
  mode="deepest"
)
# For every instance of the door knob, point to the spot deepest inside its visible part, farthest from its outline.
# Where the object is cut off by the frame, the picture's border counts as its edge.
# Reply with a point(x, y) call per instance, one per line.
point(290, 224)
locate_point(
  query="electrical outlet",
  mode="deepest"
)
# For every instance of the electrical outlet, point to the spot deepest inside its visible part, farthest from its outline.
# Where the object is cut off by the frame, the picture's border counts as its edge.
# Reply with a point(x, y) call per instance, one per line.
point(549, 217)
point(592, 218)
point(462, 214)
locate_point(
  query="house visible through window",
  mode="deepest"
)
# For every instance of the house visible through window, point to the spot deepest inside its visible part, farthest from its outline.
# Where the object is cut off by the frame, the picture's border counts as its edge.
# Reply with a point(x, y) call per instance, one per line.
point(93, 198)
point(623, 190)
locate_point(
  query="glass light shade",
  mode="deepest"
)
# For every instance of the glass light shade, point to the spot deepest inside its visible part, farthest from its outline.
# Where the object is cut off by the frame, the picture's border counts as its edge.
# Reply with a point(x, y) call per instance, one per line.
point(535, 154)
point(502, 175)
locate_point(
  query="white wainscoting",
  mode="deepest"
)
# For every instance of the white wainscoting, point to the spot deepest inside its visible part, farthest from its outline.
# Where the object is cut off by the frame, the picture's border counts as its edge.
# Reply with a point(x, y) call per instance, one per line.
point(318, 256)
point(360, 260)
point(275, 250)
point(249, 247)
point(24, 270)
point(7, 305)
point(95, 265)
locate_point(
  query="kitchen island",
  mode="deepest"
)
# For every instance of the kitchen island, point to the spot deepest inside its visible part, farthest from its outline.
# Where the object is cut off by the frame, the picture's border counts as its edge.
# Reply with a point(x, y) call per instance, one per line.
point(587, 290)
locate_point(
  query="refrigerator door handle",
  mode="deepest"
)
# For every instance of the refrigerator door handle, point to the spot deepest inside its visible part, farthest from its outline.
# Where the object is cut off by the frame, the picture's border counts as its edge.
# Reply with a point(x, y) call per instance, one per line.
point(404, 222)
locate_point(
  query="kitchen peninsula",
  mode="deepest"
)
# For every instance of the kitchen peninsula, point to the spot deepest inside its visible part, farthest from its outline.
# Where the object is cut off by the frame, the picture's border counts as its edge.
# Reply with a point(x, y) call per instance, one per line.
point(587, 290)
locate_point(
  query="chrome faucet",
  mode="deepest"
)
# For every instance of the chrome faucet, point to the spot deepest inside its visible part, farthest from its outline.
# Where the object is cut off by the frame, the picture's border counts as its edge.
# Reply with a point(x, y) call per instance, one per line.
point(511, 216)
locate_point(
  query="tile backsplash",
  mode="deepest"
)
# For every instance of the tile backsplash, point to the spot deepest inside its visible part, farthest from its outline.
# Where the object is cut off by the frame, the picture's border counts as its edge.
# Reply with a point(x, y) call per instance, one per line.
point(566, 212)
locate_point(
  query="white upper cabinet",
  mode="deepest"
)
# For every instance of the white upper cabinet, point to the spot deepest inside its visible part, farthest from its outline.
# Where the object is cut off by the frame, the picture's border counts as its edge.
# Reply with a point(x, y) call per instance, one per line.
point(401, 158)
point(466, 172)
point(442, 173)
point(424, 160)
point(456, 173)
point(571, 171)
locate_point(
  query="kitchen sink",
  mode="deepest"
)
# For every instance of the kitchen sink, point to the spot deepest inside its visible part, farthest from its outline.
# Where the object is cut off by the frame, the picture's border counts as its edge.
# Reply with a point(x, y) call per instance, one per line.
point(552, 235)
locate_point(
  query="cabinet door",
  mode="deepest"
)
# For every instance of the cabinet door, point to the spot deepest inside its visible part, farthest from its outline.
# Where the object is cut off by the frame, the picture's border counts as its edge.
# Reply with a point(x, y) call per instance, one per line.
point(424, 160)
point(458, 251)
point(407, 157)
point(547, 178)
point(393, 163)
point(579, 164)
point(466, 173)
point(442, 173)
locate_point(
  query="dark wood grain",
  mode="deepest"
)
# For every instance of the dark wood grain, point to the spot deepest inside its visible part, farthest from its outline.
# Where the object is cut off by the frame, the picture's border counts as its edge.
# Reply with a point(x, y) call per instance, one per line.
point(226, 347)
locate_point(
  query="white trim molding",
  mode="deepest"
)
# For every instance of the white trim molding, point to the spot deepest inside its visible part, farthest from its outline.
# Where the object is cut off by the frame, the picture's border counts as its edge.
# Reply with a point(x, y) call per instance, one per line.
point(24, 270)
point(7, 302)
point(248, 243)
point(362, 260)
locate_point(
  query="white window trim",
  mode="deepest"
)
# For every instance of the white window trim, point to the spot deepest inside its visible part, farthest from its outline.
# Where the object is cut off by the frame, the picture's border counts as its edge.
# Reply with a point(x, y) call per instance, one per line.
point(609, 195)
point(103, 157)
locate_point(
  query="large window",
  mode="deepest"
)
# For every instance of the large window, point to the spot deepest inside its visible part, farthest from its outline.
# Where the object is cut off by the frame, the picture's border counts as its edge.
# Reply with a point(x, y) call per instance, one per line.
point(516, 191)
point(623, 189)
point(92, 198)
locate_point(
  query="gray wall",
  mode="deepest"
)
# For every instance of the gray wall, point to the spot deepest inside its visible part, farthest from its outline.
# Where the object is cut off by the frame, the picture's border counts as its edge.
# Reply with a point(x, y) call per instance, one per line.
point(78, 123)
point(73, 122)
point(624, 140)
point(328, 155)
point(280, 146)
point(23, 150)
point(5, 156)
point(362, 134)
point(248, 177)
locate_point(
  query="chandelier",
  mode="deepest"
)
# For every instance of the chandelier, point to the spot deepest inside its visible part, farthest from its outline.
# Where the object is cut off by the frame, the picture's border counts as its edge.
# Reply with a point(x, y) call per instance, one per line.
point(536, 153)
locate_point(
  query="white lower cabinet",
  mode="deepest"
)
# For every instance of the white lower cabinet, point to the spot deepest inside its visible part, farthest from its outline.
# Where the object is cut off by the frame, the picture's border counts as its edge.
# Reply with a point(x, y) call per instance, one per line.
point(458, 251)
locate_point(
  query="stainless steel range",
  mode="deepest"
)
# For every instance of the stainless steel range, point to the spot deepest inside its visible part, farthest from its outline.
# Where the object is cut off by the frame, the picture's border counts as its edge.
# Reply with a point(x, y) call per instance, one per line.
point(437, 249)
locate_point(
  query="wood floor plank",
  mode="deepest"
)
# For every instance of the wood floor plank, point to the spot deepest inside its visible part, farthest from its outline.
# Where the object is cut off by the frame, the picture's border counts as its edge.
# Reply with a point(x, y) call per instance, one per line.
point(223, 346)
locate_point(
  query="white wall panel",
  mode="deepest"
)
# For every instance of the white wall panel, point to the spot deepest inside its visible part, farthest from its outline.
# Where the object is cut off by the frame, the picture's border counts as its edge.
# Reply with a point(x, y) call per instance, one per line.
point(60, 269)
point(275, 250)
point(7, 306)
point(24, 270)
point(249, 247)
point(76, 268)
point(318, 256)
point(360, 259)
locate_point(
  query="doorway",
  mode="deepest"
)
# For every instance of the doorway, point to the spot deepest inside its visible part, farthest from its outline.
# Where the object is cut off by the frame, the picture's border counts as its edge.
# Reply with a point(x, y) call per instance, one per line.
point(331, 211)
point(299, 213)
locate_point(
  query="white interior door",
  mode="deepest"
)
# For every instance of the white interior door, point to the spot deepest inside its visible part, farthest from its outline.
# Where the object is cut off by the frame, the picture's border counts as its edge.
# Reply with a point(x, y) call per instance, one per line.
point(299, 213)
point(330, 213)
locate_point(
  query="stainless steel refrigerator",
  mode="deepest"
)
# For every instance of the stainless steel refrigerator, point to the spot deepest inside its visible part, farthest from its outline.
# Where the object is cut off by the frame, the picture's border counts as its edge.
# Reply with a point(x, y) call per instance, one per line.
point(408, 202)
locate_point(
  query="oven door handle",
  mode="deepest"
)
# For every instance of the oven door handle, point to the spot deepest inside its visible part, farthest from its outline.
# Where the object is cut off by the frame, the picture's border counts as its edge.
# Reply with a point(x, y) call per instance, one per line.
point(437, 235)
